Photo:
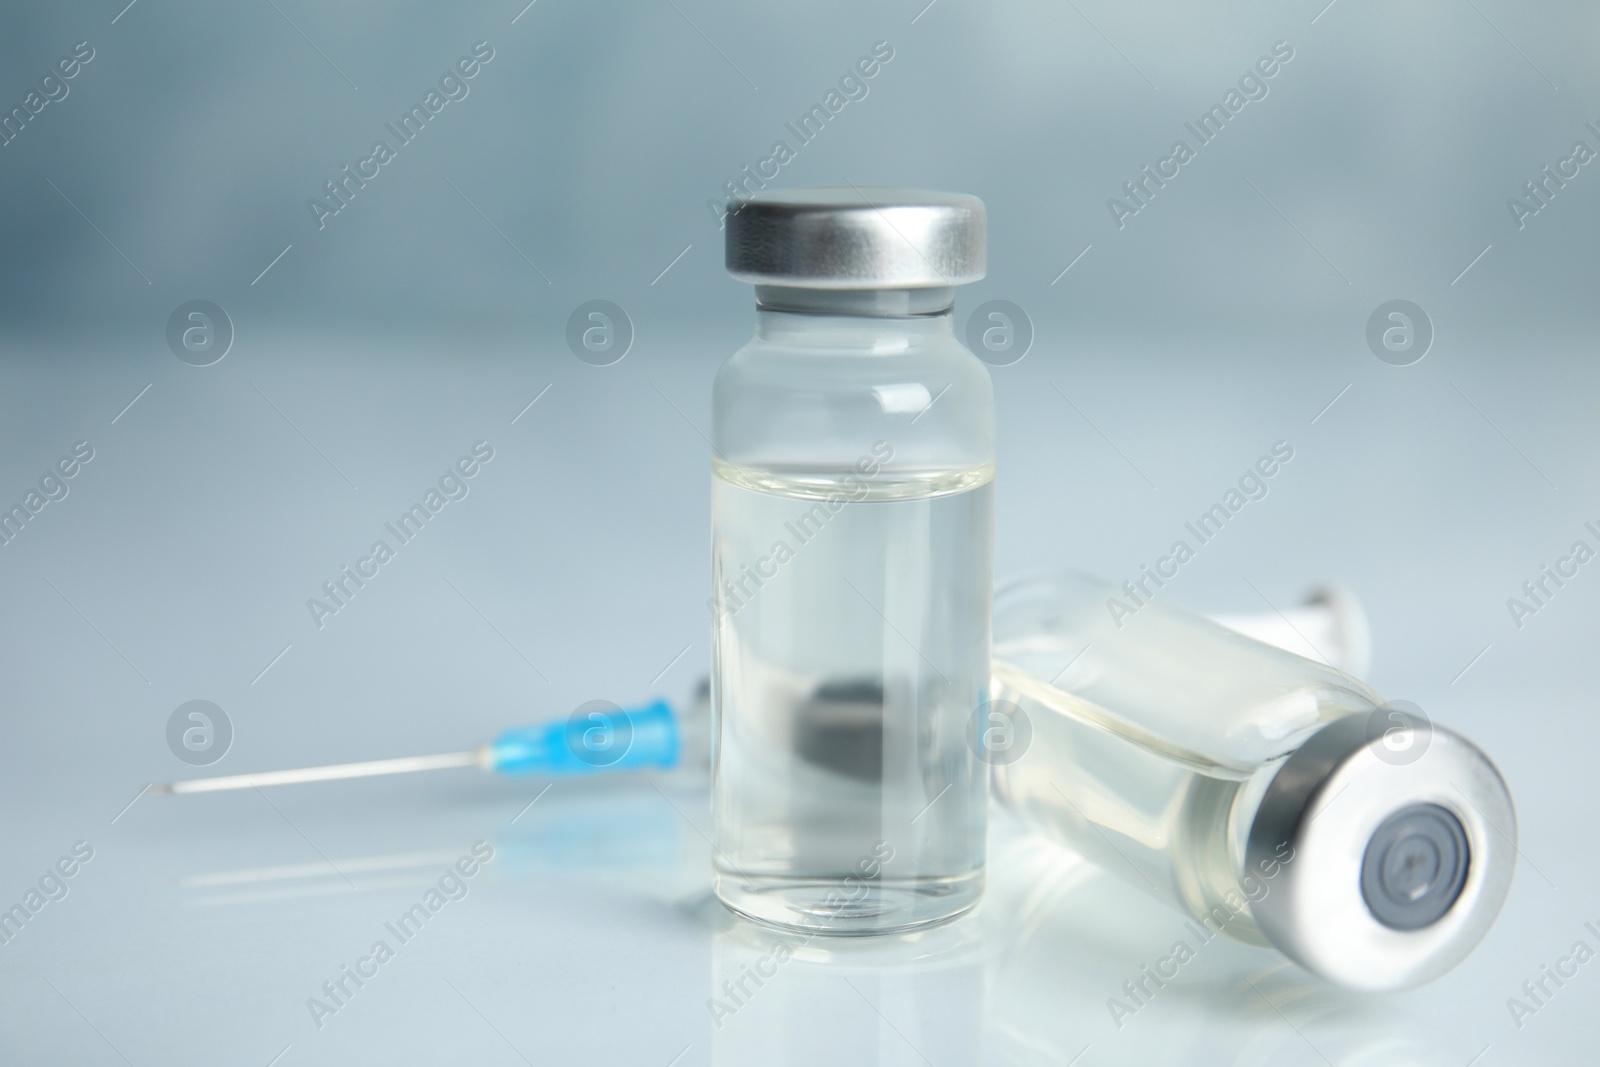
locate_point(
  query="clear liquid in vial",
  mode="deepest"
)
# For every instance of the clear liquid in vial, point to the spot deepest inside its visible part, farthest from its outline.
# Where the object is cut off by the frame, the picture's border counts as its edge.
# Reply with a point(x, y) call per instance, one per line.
point(851, 664)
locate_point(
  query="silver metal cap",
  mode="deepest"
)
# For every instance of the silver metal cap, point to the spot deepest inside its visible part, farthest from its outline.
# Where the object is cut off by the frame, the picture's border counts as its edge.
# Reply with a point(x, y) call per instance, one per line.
point(849, 237)
point(1403, 854)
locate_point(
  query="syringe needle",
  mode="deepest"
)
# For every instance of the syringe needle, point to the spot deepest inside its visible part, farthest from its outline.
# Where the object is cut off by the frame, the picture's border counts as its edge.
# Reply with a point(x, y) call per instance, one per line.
point(331, 772)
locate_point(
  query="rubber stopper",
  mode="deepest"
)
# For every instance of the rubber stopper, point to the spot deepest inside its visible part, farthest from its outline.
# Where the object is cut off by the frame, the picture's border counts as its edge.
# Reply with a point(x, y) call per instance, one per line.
point(1415, 865)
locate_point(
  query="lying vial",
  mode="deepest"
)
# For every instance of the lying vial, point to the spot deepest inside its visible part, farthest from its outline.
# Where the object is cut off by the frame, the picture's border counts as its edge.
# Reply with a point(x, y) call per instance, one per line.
point(853, 450)
point(1270, 797)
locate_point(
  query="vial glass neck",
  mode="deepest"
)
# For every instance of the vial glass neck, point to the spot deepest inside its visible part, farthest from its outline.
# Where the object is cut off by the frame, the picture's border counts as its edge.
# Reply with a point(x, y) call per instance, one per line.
point(783, 311)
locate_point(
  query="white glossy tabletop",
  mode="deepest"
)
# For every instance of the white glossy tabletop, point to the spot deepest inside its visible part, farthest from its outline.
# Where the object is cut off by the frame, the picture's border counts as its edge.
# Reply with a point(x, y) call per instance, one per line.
point(202, 929)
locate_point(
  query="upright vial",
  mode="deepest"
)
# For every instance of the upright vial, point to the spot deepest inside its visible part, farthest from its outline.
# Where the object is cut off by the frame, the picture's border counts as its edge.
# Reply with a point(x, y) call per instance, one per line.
point(853, 451)
point(1272, 798)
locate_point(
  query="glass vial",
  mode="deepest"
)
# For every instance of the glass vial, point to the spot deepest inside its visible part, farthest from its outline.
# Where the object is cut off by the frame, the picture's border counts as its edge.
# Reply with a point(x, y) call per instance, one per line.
point(853, 451)
point(1270, 797)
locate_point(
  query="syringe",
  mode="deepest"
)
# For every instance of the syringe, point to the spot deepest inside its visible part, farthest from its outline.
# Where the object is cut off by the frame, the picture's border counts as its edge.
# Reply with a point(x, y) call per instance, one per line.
point(592, 740)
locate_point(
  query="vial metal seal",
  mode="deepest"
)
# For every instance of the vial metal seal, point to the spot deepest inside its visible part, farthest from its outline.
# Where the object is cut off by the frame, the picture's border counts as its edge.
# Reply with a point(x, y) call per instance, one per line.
point(1400, 868)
